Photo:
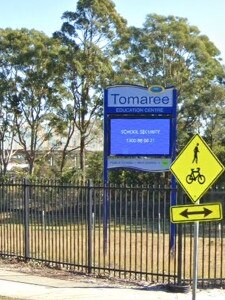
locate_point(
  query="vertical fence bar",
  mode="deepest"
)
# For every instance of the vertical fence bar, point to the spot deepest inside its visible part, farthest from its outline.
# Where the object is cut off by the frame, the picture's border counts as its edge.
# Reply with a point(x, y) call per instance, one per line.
point(100, 213)
point(136, 234)
point(158, 231)
point(19, 213)
point(146, 232)
point(152, 234)
point(119, 240)
point(125, 234)
point(94, 235)
point(179, 246)
point(221, 256)
point(164, 193)
point(110, 227)
point(142, 228)
point(209, 246)
point(90, 195)
point(215, 254)
point(131, 230)
point(26, 219)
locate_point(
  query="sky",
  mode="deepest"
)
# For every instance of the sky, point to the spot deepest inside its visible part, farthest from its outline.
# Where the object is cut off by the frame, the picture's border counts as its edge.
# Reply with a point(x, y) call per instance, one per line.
point(45, 15)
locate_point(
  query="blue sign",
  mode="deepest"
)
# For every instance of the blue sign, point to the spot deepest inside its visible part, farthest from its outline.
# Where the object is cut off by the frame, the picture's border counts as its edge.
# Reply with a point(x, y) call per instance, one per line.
point(139, 122)
point(140, 136)
point(139, 100)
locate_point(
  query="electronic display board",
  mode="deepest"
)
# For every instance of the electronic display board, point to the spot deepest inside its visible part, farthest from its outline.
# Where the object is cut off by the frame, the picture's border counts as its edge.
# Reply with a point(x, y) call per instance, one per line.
point(140, 136)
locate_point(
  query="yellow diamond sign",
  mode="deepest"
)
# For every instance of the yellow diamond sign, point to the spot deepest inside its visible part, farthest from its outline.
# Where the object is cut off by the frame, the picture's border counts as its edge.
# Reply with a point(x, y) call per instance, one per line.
point(196, 168)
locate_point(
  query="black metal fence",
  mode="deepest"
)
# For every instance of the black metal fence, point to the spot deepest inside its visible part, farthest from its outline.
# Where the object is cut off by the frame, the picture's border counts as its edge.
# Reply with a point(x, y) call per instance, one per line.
point(127, 237)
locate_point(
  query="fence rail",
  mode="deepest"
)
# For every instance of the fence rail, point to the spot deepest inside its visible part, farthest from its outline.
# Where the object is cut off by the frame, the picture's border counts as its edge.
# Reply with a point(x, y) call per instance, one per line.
point(127, 237)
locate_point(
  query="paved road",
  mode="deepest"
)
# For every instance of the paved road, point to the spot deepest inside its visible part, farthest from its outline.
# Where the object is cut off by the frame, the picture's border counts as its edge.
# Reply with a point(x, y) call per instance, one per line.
point(26, 286)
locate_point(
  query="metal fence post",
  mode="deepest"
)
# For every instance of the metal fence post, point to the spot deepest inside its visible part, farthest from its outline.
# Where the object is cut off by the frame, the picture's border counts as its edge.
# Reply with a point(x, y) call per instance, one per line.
point(179, 245)
point(90, 194)
point(26, 220)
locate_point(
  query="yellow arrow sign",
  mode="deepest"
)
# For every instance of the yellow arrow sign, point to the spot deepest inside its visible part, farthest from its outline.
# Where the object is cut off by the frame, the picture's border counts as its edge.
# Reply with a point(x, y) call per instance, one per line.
point(196, 168)
point(192, 213)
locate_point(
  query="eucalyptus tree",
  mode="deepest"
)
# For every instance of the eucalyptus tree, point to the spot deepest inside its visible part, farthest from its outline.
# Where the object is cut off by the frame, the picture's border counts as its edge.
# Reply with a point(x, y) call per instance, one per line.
point(214, 119)
point(7, 130)
point(89, 34)
point(31, 94)
point(170, 52)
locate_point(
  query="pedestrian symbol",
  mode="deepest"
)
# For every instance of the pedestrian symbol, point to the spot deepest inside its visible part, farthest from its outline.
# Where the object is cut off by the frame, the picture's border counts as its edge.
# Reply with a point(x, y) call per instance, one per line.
point(196, 168)
point(196, 150)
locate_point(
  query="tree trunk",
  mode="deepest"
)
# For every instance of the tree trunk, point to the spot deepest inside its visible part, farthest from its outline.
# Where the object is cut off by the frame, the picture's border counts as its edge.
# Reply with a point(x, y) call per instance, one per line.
point(82, 155)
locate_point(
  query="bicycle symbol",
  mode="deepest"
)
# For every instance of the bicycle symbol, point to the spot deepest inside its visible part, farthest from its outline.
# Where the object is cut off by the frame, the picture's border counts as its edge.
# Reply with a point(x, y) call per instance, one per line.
point(195, 175)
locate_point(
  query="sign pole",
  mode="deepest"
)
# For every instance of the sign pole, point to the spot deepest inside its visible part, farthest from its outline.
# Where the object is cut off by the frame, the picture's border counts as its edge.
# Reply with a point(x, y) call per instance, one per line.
point(106, 184)
point(173, 180)
point(195, 259)
point(173, 226)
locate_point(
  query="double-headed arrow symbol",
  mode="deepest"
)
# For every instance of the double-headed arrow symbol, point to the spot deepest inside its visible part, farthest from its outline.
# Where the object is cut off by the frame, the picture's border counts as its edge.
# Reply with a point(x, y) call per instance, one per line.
point(192, 213)
point(204, 212)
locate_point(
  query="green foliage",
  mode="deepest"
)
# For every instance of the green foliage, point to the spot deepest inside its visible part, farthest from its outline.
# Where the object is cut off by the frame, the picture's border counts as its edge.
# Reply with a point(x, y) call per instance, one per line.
point(71, 174)
point(28, 63)
point(52, 88)
point(138, 178)
point(168, 51)
point(87, 35)
point(94, 166)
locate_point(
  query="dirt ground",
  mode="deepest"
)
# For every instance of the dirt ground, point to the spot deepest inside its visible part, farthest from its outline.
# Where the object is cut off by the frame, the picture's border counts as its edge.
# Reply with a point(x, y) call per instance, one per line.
point(39, 269)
